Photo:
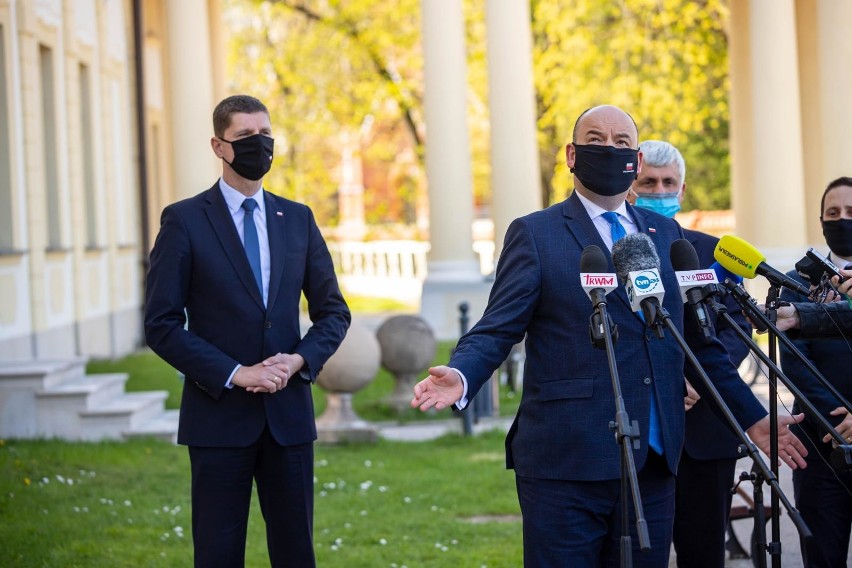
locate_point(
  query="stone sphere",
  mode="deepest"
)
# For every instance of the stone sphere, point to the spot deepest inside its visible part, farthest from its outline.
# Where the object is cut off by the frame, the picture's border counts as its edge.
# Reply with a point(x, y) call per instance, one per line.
point(408, 344)
point(354, 364)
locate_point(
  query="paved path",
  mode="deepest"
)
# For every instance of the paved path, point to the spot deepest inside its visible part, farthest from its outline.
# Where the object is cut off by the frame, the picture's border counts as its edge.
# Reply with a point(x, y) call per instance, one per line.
point(791, 555)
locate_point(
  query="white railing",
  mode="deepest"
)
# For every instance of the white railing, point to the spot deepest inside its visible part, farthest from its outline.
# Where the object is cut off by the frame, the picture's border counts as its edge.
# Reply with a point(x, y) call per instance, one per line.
point(391, 268)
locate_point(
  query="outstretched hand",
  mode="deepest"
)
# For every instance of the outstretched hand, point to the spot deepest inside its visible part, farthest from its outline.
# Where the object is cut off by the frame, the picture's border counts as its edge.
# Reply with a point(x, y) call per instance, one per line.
point(790, 449)
point(442, 388)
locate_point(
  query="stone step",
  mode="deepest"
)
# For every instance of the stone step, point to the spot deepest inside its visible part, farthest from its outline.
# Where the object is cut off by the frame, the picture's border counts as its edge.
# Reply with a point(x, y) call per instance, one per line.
point(42, 374)
point(86, 392)
point(163, 426)
point(111, 419)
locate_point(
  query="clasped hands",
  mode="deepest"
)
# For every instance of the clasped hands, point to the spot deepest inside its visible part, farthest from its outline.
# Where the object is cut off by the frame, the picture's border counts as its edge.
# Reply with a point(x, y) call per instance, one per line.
point(270, 375)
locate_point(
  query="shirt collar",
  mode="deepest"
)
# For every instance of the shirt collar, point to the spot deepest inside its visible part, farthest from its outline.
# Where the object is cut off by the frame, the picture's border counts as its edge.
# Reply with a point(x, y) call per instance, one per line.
point(594, 210)
point(234, 199)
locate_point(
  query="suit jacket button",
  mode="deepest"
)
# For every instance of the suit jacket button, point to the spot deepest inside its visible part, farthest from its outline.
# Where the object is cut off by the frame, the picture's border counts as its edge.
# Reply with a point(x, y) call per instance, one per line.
point(647, 380)
point(268, 325)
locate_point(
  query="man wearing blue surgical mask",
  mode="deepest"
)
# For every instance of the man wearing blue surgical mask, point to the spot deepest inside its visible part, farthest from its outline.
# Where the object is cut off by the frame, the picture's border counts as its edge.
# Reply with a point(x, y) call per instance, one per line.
point(660, 185)
point(708, 462)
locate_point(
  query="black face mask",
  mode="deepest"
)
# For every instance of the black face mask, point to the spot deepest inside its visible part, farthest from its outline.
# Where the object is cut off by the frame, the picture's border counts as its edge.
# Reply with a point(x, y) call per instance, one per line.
point(605, 170)
point(838, 236)
point(252, 156)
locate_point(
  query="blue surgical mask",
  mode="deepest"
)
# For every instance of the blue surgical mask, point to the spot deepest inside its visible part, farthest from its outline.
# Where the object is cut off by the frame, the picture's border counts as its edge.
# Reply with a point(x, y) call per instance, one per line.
point(666, 204)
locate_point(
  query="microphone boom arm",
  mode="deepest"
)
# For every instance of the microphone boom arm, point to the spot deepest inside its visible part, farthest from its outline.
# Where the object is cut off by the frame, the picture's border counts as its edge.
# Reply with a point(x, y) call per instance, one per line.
point(750, 448)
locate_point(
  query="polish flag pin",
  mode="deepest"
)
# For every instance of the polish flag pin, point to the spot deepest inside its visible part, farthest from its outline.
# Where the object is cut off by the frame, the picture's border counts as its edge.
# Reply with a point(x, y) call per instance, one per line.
point(279, 213)
point(652, 230)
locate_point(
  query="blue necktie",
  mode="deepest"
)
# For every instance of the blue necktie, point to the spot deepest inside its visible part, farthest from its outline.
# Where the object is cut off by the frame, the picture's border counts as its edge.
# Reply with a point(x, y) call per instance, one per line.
point(655, 438)
point(251, 243)
point(616, 228)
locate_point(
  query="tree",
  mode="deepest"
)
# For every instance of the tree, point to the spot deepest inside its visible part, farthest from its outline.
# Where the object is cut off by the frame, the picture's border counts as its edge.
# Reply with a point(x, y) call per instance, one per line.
point(345, 65)
point(664, 61)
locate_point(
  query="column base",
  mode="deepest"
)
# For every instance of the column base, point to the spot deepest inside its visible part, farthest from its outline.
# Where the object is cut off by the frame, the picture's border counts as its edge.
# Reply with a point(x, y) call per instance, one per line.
point(448, 285)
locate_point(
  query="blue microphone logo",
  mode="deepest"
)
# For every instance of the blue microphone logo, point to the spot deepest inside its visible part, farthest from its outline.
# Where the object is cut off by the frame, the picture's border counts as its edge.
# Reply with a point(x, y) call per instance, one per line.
point(646, 281)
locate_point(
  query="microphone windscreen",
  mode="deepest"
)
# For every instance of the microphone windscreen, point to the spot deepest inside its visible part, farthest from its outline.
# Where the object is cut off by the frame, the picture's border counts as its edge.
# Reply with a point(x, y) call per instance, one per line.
point(634, 252)
point(738, 256)
point(683, 256)
point(593, 260)
point(810, 270)
point(722, 273)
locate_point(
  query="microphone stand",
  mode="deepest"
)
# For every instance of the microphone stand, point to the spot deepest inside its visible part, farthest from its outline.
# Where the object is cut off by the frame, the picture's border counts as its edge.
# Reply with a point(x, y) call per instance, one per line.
point(842, 454)
point(603, 335)
point(661, 318)
point(772, 304)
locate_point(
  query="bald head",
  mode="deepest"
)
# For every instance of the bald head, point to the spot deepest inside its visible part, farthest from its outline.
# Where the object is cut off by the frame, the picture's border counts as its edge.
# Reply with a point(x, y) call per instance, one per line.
point(607, 125)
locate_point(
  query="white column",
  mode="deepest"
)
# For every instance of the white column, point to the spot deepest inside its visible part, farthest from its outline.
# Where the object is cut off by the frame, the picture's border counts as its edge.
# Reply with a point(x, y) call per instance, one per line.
point(824, 32)
point(766, 131)
point(191, 96)
point(515, 172)
point(453, 269)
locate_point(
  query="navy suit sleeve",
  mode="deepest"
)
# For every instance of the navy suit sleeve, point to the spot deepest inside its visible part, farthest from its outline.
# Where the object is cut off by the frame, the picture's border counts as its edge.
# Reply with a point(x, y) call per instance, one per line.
point(511, 305)
point(796, 370)
point(716, 363)
point(167, 291)
point(737, 348)
point(326, 307)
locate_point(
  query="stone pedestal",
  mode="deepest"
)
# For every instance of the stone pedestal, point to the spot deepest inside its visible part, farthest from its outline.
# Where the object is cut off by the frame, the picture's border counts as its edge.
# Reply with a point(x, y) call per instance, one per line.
point(350, 369)
point(408, 347)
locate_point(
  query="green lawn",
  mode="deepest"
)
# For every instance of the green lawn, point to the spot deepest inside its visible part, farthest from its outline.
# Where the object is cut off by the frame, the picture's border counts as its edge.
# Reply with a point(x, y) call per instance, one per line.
point(448, 502)
point(387, 504)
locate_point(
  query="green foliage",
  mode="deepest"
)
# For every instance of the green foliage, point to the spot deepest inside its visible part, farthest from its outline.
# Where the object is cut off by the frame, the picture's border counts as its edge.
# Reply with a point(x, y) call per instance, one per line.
point(663, 61)
point(328, 70)
point(128, 505)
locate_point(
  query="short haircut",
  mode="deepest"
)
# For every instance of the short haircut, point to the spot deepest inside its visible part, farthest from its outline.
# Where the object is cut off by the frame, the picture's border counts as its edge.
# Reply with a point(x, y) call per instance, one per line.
point(582, 114)
point(839, 182)
point(659, 154)
point(231, 106)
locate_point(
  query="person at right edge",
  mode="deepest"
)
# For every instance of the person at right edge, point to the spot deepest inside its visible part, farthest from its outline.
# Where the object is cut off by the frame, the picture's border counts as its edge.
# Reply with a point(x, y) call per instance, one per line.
point(705, 473)
point(823, 495)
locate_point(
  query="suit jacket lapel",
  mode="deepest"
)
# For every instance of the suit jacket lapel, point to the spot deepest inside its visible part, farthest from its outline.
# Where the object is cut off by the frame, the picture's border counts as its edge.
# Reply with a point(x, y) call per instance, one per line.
point(223, 225)
point(580, 225)
point(277, 245)
point(584, 230)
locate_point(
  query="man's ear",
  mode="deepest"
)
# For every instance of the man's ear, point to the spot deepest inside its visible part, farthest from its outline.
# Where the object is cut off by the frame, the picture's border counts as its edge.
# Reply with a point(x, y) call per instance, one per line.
point(681, 193)
point(216, 144)
point(570, 155)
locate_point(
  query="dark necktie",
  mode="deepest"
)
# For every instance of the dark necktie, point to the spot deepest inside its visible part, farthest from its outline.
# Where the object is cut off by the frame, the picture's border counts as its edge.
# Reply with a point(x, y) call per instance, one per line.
point(251, 243)
point(655, 438)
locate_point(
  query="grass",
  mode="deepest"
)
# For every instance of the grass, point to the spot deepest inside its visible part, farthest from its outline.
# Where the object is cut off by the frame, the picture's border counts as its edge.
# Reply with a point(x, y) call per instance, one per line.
point(388, 504)
point(447, 502)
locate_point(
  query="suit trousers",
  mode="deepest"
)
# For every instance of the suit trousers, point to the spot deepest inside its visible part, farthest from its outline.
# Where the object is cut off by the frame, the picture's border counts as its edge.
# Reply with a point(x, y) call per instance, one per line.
point(221, 497)
point(824, 497)
point(578, 523)
point(702, 507)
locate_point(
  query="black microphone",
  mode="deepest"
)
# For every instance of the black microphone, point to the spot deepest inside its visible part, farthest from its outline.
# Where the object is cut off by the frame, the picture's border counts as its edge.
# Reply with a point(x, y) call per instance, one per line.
point(594, 278)
point(691, 280)
point(597, 283)
point(638, 267)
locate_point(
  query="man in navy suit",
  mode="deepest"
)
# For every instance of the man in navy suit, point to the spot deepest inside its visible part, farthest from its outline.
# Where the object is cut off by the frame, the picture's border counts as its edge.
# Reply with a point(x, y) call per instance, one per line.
point(227, 272)
point(566, 461)
point(824, 496)
point(707, 465)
